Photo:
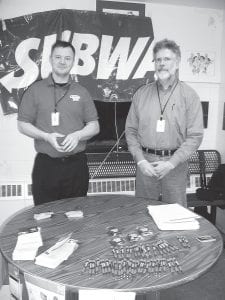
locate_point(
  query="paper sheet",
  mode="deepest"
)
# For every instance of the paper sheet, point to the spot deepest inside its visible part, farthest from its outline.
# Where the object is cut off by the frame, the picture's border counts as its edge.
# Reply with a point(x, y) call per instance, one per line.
point(173, 217)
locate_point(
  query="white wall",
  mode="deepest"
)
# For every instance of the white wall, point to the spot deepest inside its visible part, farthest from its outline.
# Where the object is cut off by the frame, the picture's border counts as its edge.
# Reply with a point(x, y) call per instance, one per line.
point(220, 4)
point(12, 8)
point(221, 133)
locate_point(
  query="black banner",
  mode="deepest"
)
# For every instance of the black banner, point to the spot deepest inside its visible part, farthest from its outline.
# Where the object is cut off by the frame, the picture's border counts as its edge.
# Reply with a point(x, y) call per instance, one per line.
point(113, 53)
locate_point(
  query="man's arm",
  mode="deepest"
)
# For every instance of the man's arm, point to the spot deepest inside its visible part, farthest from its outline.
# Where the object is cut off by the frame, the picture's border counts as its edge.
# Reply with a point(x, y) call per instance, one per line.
point(89, 130)
point(30, 130)
point(194, 132)
point(131, 131)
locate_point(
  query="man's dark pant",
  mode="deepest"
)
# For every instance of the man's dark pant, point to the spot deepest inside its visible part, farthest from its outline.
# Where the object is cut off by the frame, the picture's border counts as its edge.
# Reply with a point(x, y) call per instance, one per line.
point(59, 178)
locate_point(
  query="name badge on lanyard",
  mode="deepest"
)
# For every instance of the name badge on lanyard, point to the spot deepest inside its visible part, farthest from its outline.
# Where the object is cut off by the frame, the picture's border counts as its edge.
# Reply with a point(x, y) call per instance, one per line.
point(160, 126)
point(55, 118)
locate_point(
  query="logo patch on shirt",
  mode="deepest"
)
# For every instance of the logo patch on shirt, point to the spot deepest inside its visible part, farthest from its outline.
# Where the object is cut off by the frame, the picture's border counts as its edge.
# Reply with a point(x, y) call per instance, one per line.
point(75, 97)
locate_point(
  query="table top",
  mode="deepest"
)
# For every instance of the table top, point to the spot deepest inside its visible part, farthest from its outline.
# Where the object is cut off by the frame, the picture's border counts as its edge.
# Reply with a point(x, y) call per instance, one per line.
point(128, 214)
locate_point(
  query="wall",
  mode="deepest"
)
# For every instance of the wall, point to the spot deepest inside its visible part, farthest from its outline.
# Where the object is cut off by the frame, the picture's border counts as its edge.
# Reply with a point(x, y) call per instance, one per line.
point(16, 151)
point(221, 133)
point(12, 8)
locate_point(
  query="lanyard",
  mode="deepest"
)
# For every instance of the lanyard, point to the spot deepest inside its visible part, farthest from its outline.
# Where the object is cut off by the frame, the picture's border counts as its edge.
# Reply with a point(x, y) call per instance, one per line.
point(162, 109)
point(58, 100)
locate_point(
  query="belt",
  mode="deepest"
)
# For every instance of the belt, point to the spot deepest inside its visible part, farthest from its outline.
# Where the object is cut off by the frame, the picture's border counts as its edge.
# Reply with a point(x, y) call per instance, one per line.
point(159, 152)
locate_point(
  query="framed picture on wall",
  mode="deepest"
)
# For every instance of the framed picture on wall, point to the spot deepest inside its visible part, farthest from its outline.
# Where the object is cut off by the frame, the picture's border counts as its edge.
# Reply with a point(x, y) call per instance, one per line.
point(198, 66)
point(126, 8)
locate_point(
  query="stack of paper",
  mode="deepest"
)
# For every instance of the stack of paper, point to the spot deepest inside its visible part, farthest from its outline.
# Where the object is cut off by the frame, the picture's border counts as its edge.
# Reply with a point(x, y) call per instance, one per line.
point(44, 215)
point(27, 245)
point(55, 255)
point(173, 217)
point(74, 214)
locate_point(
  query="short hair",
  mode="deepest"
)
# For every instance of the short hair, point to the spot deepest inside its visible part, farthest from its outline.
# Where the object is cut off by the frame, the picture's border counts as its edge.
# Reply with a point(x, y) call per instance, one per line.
point(167, 44)
point(62, 44)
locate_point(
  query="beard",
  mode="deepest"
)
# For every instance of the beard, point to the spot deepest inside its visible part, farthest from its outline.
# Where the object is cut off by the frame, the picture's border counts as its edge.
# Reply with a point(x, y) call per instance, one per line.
point(165, 74)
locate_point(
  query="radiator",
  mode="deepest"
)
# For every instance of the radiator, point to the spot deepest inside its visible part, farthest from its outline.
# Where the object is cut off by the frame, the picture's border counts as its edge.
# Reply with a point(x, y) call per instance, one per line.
point(123, 185)
point(15, 190)
point(127, 185)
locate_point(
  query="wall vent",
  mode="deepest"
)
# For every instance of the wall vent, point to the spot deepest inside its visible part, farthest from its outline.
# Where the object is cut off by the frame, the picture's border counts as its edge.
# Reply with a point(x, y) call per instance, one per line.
point(112, 186)
point(125, 185)
point(194, 182)
point(15, 190)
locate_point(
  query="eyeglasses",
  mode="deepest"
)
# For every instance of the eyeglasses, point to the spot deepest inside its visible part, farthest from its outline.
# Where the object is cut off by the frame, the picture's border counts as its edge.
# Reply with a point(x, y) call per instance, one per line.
point(166, 60)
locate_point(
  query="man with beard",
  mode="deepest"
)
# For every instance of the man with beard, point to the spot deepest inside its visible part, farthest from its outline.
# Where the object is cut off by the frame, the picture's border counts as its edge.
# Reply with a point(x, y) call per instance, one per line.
point(164, 127)
point(60, 115)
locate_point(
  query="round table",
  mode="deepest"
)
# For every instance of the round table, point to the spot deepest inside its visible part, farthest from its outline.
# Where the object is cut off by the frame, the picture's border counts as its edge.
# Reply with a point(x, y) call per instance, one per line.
point(127, 214)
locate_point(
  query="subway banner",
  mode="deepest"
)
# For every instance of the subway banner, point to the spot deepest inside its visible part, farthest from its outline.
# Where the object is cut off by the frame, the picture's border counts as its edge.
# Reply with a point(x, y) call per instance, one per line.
point(113, 53)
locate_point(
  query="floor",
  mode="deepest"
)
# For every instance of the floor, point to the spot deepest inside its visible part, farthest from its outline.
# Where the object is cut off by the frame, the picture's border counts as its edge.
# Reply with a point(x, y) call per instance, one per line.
point(4, 293)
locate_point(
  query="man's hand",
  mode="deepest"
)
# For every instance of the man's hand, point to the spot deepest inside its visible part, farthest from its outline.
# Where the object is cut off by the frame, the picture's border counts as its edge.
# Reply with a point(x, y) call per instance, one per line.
point(162, 168)
point(51, 138)
point(71, 141)
point(147, 168)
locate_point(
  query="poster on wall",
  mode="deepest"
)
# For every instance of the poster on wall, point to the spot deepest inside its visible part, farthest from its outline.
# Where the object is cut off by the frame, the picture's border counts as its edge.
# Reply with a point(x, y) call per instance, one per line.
point(113, 53)
point(198, 66)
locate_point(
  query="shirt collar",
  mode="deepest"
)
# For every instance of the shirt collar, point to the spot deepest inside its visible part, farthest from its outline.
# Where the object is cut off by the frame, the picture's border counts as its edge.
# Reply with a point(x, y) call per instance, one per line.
point(172, 82)
point(50, 80)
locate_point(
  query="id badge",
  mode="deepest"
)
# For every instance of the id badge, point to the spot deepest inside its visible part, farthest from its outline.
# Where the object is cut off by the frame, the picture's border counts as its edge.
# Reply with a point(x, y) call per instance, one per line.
point(160, 126)
point(55, 118)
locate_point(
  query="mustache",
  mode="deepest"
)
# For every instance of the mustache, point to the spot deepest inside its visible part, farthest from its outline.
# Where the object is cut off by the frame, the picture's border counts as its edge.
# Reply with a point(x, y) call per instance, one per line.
point(162, 69)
